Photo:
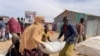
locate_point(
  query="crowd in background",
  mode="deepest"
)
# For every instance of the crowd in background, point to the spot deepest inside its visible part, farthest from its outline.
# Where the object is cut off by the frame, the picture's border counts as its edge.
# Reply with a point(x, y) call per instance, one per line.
point(12, 27)
point(15, 27)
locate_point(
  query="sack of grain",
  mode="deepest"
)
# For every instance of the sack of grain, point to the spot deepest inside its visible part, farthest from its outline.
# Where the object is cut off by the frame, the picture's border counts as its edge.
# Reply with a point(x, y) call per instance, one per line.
point(52, 47)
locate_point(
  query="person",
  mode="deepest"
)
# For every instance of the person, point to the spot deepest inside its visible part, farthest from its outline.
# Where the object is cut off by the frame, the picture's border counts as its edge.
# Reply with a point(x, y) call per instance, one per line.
point(46, 37)
point(31, 38)
point(2, 30)
point(14, 27)
point(15, 30)
point(46, 34)
point(14, 48)
point(80, 29)
point(7, 32)
point(69, 32)
point(21, 23)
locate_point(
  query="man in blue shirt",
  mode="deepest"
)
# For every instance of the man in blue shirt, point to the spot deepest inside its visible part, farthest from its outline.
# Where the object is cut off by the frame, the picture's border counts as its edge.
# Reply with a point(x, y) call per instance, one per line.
point(69, 32)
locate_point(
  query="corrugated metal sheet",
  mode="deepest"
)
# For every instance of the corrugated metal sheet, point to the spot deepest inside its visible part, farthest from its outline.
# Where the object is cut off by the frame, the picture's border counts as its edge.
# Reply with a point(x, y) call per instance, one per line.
point(54, 27)
point(92, 26)
point(61, 16)
point(72, 17)
point(59, 24)
point(89, 26)
point(79, 16)
point(98, 32)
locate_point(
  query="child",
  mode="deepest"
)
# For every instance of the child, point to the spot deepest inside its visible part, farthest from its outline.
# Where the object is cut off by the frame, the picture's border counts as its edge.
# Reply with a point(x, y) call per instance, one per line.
point(45, 38)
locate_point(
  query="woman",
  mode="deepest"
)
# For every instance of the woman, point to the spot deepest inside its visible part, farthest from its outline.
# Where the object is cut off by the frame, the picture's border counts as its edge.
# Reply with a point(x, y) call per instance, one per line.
point(31, 38)
point(14, 27)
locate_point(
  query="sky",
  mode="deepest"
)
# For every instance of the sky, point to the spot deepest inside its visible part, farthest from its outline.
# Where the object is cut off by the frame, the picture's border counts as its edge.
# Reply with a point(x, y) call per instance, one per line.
point(48, 8)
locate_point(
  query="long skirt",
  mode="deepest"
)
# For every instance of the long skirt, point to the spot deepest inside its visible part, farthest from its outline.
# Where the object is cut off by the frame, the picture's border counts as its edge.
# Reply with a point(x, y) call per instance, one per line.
point(67, 50)
point(33, 52)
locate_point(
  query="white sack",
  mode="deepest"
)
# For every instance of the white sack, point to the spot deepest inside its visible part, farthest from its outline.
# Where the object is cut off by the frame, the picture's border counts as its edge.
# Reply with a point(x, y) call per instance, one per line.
point(52, 47)
point(3, 53)
point(90, 47)
point(10, 35)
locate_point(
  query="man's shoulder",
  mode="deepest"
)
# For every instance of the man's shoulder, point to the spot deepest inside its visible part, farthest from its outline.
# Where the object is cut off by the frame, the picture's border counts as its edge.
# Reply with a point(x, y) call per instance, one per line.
point(70, 24)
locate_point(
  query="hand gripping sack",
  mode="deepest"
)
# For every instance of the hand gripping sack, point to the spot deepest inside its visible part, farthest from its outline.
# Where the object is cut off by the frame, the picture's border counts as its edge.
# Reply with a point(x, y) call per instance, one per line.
point(52, 47)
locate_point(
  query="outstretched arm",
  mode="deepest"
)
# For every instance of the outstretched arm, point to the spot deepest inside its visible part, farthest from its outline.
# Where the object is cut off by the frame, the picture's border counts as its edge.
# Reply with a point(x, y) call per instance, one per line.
point(61, 33)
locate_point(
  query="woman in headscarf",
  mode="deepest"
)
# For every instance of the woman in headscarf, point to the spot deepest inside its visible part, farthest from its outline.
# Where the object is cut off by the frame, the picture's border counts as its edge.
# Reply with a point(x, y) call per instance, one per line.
point(14, 26)
point(31, 38)
point(15, 29)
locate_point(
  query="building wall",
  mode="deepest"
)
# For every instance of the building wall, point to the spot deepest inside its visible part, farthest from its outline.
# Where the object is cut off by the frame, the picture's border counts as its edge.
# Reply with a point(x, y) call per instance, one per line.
point(72, 16)
point(92, 26)
point(5, 20)
point(79, 16)
point(59, 18)
point(98, 31)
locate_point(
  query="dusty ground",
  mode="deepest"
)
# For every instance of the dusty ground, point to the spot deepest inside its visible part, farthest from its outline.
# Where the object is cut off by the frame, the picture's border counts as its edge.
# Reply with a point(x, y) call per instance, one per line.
point(5, 45)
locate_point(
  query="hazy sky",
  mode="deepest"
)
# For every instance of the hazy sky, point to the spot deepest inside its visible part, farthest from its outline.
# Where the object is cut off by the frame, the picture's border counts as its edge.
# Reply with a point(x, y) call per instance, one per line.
point(48, 8)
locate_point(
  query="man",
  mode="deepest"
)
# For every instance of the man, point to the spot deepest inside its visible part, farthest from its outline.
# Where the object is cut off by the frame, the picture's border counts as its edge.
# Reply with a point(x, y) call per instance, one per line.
point(69, 32)
point(80, 29)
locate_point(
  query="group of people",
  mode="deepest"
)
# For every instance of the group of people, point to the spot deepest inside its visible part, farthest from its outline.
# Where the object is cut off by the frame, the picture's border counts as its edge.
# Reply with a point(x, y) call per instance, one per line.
point(12, 27)
point(26, 44)
point(72, 35)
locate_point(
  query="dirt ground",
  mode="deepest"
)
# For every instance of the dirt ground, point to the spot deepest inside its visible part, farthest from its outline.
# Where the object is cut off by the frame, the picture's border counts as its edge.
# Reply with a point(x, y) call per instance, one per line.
point(5, 45)
point(53, 36)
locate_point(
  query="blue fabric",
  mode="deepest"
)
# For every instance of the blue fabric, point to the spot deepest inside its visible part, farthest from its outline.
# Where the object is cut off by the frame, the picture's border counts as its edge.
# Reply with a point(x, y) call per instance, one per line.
point(2, 25)
point(70, 33)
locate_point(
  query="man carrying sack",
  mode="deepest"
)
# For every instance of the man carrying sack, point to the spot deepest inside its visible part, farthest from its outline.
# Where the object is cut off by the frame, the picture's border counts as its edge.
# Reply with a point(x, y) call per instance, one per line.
point(69, 32)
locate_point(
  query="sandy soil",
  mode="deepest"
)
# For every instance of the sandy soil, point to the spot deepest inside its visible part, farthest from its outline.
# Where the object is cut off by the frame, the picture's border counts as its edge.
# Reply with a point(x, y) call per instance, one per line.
point(5, 45)
point(53, 36)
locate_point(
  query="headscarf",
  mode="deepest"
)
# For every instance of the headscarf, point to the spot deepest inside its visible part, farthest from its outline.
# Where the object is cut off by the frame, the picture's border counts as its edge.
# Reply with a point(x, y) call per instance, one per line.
point(32, 35)
point(14, 26)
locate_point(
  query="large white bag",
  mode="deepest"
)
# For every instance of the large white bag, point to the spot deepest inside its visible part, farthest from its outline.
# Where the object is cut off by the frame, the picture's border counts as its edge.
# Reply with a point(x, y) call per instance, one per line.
point(90, 47)
point(52, 47)
point(3, 52)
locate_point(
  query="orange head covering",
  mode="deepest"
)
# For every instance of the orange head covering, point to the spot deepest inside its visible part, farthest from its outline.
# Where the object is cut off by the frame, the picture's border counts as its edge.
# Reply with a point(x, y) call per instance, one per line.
point(32, 35)
point(39, 19)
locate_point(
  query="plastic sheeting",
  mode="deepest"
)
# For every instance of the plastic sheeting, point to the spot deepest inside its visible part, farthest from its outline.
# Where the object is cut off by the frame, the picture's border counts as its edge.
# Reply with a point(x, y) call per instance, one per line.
point(52, 47)
point(90, 47)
